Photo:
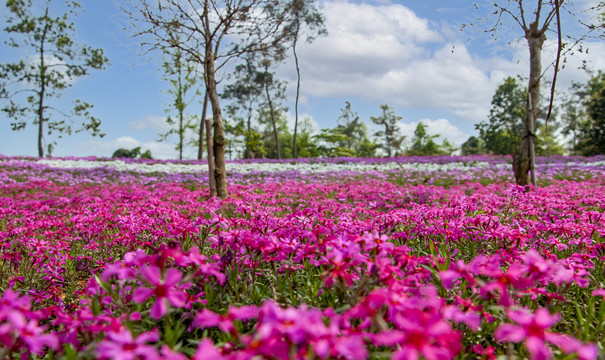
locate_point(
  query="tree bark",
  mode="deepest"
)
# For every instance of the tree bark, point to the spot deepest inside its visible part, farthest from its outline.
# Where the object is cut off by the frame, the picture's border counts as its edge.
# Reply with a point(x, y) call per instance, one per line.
point(521, 162)
point(200, 148)
point(272, 113)
point(41, 94)
point(297, 87)
point(218, 143)
point(181, 116)
point(41, 109)
point(211, 180)
point(206, 123)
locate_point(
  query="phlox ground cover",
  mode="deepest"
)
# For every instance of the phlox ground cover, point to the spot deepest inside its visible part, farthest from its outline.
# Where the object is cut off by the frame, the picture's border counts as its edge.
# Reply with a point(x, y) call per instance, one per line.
point(449, 262)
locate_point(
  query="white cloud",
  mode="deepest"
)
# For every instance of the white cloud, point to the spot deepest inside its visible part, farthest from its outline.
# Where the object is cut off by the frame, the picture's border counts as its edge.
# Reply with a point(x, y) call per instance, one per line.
point(157, 123)
point(387, 54)
point(105, 148)
point(290, 119)
point(441, 127)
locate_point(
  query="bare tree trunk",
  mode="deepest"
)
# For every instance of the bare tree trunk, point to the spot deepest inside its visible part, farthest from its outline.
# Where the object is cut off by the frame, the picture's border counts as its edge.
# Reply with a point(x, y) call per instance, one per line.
point(42, 91)
point(218, 143)
point(297, 88)
point(200, 148)
point(248, 154)
point(522, 162)
point(211, 180)
point(41, 120)
point(206, 123)
point(272, 112)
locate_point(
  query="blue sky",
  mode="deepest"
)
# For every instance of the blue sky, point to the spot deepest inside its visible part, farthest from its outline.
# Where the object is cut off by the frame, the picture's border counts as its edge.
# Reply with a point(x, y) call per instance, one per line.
point(408, 54)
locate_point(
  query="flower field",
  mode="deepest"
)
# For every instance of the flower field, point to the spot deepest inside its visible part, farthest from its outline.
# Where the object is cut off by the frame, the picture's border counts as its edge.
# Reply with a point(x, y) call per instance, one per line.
point(408, 258)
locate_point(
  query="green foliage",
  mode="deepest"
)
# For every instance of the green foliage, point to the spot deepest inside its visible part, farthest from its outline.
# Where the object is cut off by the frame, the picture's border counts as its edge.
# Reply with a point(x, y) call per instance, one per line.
point(132, 154)
point(575, 120)
point(348, 138)
point(305, 146)
point(392, 139)
point(595, 108)
point(502, 133)
point(546, 144)
point(424, 144)
point(584, 119)
point(277, 120)
point(473, 146)
point(60, 61)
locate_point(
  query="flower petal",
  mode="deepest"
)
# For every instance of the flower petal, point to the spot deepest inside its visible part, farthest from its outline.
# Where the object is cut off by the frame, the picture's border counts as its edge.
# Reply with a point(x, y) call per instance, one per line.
point(173, 276)
point(158, 309)
point(509, 332)
point(207, 351)
point(537, 348)
point(141, 294)
point(151, 274)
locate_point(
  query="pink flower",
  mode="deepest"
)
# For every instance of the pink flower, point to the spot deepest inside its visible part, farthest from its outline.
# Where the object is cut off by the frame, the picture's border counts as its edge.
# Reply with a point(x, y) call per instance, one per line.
point(17, 326)
point(487, 353)
point(122, 346)
point(207, 351)
point(599, 292)
point(421, 332)
point(17, 329)
point(207, 318)
point(533, 330)
point(164, 288)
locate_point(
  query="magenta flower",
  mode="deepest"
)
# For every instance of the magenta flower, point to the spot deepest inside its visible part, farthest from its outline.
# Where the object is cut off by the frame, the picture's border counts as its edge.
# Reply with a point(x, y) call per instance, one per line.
point(122, 346)
point(17, 330)
point(17, 326)
point(533, 330)
point(164, 288)
point(207, 351)
point(599, 292)
point(206, 318)
point(421, 333)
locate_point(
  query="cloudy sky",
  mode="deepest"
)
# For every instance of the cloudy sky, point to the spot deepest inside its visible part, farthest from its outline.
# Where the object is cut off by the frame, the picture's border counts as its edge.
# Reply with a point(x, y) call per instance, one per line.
point(410, 55)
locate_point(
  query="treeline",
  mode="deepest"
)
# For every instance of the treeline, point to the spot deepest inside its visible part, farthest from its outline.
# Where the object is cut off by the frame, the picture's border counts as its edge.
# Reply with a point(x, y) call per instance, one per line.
point(255, 118)
point(253, 136)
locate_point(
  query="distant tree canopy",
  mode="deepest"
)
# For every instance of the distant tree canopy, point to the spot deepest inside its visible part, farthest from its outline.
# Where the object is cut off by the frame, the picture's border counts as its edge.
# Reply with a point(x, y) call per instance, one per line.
point(472, 146)
point(391, 140)
point(584, 114)
point(132, 153)
point(348, 138)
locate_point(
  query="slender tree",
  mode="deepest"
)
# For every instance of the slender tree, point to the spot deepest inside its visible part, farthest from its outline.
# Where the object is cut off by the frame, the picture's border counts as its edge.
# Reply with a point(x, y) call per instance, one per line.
point(55, 62)
point(182, 77)
point(244, 92)
point(212, 33)
point(423, 143)
point(304, 13)
point(393, 140)
point(272, 85)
